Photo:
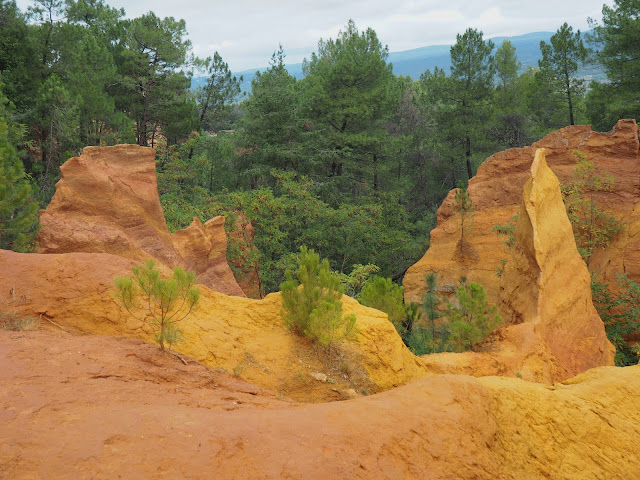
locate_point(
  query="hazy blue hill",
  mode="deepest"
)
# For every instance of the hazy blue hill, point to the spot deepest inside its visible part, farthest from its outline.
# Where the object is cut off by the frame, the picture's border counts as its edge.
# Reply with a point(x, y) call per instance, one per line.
point(414, 62)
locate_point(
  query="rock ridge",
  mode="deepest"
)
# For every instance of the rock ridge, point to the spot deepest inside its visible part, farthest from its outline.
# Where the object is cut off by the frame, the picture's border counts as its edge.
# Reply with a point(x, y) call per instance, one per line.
point(107, 202)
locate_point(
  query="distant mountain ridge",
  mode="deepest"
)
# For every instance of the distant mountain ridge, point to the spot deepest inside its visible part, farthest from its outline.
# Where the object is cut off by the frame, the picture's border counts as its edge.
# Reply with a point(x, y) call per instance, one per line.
point(416, 61)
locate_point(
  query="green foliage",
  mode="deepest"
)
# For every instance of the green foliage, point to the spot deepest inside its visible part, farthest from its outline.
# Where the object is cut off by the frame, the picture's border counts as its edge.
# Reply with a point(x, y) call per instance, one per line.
point(162, 302)
point(311, 303)
point(154, 50)
point(616, 42)
point(473, 319)
point(18, 209)
point(472, 73)
point(417, 337)
point(291, 214)
point(384, 295)
point(18, 58)
point(511, 124)
point(426, 335)
point(508, 230)
point(431, 307)
point(592, 227)
point(620, 312)
point(604, 107)
point(271, 127)
point(356, 280)
point(345, 96)
point(215, 96)
point(559, 65)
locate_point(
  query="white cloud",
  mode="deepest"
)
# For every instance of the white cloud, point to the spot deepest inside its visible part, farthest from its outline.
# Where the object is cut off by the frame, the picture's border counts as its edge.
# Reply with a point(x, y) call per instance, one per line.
point(491, 17)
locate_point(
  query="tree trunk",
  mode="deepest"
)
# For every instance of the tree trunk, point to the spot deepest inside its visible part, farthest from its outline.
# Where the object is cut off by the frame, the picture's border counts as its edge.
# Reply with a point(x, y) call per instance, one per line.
point(468, 154)
point(568, 84)
point(375, 172)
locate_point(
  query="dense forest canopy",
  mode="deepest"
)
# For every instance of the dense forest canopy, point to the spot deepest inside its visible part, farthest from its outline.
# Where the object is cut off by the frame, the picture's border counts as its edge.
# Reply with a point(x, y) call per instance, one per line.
point(350, 160)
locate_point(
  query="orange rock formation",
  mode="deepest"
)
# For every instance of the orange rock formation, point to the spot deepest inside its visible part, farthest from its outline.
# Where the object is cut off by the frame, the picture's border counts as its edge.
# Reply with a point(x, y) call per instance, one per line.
point(496, 193)
point(73, 291)
point(553, 331)
point(98, 407)
point(107, 202)
point(552, 336)
point(547, 284)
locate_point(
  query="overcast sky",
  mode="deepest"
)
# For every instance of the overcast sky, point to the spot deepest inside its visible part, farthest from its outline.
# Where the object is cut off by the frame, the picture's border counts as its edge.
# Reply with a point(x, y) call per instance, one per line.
point(246, 32)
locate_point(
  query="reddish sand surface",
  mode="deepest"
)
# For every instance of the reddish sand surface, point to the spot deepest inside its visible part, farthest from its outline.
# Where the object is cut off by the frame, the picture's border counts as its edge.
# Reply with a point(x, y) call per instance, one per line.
point(82, 407)
point(98, 407)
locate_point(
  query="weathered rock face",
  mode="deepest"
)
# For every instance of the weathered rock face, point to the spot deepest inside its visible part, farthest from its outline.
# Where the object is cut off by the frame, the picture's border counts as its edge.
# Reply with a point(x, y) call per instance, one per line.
point(547, 284)
point(552, 331)
point(237, 334)
point(203, 249)
point(107, 202)
point(99, 407)
point(496, 192)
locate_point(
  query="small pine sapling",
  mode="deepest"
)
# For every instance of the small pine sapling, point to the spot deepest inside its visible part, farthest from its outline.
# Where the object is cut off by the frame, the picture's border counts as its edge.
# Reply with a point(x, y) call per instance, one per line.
point(473, 319)
point(508, 230)
point(418, 337)
point(463, 206)
point(162, 302)
point(430, 305)
point(384, 295)
point(413, 315)
point(311, 304)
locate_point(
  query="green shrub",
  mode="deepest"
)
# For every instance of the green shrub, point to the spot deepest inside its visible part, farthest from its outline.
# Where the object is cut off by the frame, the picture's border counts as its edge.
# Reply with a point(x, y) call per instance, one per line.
point(473, 319)
point(311, 303)
point(416, 336)
point(18, 209)
point(162, 302)
point(382, 294)
point(356, 280)
point(430, 305)
point(620, 313)
point(508, 230)
point(427, 336)
point(412, 317)
point(592, 228)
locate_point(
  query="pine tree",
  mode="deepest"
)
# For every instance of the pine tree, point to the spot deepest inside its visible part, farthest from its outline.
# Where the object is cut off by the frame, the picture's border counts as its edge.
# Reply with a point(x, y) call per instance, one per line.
point(384, 295)
point(430, 305)
point(311, 304)
point(616, 41)
point(18, 210)
point(346, 97)
point(560, 62)
point(163, 302)
point(473, 319)
point(509, 128)
point(472, 70)
point(220, 89)
point(270, 128)
point(153, 86)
